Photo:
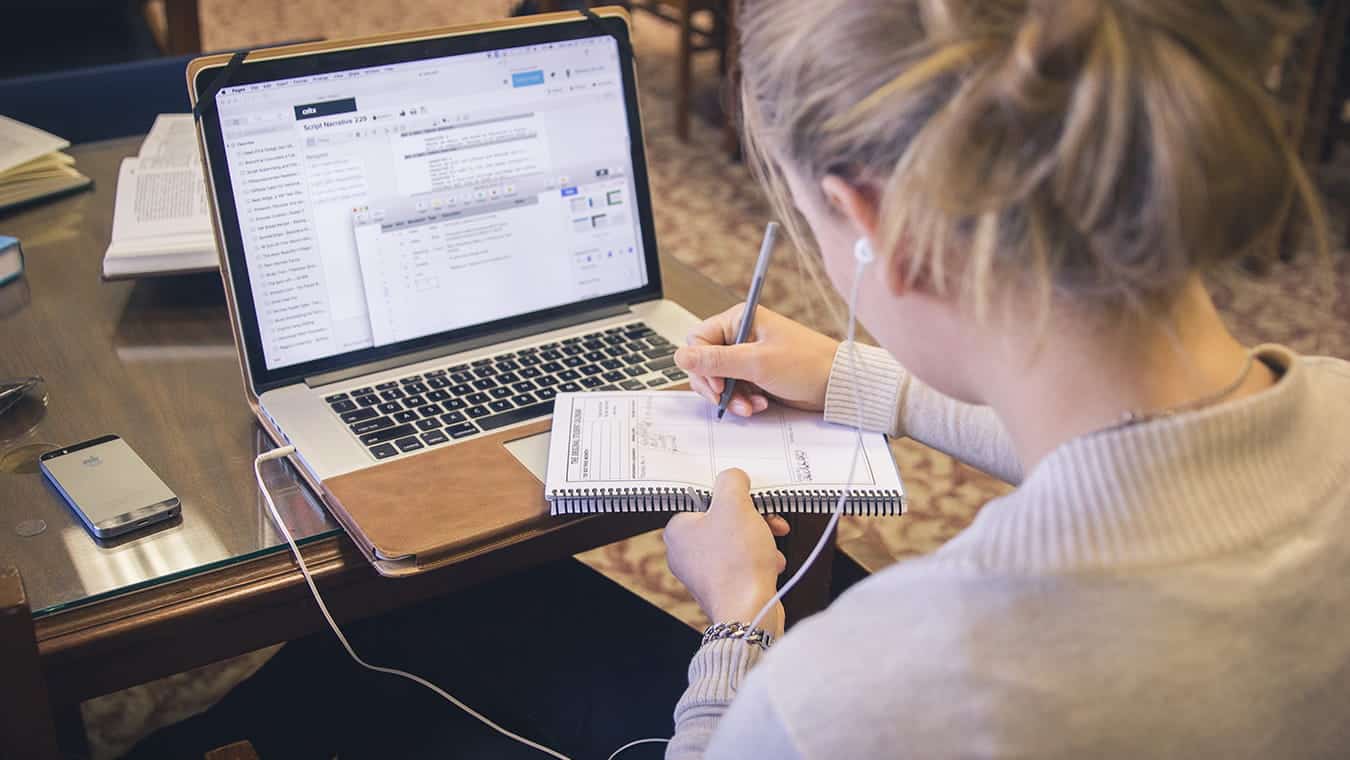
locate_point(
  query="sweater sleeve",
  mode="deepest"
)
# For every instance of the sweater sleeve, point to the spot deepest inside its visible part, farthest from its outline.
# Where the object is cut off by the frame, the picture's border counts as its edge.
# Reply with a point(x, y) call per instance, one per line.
point(895, 402)
point(715, 677)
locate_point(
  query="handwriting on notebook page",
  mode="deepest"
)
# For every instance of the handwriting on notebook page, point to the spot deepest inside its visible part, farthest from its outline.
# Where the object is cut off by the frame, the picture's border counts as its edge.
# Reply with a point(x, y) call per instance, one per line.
point(676, 437)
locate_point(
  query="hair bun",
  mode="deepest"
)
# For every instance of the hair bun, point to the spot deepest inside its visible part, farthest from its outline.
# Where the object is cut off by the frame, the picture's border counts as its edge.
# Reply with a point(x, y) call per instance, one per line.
point(1103, 149)
point(1049, 49)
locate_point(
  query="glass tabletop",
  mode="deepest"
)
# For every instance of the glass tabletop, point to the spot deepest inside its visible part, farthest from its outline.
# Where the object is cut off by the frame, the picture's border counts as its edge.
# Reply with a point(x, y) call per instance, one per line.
point(152, 361)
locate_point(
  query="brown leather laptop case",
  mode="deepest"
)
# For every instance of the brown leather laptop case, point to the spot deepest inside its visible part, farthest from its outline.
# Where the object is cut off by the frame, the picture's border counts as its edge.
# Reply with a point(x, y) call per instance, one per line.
point(446, 500)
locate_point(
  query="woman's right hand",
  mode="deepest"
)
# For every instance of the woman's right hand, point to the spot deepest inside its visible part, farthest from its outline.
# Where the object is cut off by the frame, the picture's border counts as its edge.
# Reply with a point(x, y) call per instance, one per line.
point(781, 358)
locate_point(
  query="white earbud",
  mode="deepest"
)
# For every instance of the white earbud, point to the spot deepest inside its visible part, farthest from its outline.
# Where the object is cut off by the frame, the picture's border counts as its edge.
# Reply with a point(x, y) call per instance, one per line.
point(862, 251)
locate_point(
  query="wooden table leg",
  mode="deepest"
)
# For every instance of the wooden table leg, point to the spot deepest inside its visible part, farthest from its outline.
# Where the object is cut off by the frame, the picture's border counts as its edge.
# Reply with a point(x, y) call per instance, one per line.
point(684, 71)
point(730, 68)
point(812, 592)
point(27, 728)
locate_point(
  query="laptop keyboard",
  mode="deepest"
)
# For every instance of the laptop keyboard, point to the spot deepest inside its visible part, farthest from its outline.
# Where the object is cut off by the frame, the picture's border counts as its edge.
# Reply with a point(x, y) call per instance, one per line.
point(432, 408)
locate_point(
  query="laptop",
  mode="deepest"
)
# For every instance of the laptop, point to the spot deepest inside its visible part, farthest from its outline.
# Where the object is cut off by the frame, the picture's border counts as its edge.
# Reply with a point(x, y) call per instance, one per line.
point(424, 238)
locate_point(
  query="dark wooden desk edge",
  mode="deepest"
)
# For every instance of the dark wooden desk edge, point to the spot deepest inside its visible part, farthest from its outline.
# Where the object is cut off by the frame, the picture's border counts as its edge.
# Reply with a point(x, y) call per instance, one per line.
point(93, 650)
point(27, 726)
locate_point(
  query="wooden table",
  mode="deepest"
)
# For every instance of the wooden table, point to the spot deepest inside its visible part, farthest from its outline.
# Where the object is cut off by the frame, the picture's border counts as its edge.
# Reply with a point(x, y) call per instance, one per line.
point(152, 361)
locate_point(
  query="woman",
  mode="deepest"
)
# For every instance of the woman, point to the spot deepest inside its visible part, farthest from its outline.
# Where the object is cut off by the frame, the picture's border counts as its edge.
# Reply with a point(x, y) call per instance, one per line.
point(1044, 184)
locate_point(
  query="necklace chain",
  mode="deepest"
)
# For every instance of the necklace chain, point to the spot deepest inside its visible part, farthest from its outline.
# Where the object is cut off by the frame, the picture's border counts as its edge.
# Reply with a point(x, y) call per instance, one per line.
point(1137, 417)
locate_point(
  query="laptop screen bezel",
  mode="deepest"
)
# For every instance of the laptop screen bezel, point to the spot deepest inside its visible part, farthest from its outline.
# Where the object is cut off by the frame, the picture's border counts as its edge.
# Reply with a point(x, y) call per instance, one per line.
point(261, 377)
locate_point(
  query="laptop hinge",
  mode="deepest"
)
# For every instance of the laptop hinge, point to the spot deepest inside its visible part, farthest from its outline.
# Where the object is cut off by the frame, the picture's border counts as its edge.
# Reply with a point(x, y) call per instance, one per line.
point(469, 344)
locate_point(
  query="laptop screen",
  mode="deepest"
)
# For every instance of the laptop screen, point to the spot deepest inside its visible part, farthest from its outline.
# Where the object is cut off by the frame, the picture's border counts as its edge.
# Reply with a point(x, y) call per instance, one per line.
point(384, 204)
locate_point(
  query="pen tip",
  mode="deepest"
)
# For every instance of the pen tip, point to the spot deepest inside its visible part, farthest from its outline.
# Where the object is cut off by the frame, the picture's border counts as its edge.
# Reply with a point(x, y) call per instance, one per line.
point(721, 412)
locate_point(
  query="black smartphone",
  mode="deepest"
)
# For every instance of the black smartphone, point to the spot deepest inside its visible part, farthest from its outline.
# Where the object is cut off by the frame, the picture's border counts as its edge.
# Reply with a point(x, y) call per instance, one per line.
point(112, 490)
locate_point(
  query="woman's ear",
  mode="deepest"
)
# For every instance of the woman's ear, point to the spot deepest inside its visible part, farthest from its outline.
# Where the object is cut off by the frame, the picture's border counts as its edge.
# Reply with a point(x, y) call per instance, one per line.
point(859, 205)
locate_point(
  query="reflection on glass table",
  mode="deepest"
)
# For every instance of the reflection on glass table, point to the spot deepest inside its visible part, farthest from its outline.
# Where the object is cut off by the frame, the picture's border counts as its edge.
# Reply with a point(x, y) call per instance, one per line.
point(69, 567)
point(15, 390)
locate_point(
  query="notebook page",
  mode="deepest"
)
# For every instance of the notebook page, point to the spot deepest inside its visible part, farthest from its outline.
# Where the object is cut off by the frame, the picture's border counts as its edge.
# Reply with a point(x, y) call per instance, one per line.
point(629, 439)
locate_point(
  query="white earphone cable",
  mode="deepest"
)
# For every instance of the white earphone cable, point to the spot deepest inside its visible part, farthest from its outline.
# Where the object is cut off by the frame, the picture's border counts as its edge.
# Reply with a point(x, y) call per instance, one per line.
point(863, 253)
point(636, 742)
point(285, 451)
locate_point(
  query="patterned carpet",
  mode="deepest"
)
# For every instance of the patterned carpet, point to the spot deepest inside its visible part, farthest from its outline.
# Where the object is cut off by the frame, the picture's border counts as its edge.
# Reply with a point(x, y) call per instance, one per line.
point(709, 214)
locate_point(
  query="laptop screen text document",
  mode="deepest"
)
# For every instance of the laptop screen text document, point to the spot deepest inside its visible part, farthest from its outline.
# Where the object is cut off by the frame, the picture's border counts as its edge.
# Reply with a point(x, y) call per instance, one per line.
point(383, 204)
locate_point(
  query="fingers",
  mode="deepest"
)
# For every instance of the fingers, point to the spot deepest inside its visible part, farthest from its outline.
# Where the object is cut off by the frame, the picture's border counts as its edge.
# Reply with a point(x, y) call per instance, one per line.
point(679, 520)
point(754, 403)
point(677, 525)
point(721, 329)
point(741, 361)
point(778, 525)
point(717, 330)
point(744, 405)
point(739, 406)
point(710, 359)
point(732, 486)
point(746, 399)
point(710, 388)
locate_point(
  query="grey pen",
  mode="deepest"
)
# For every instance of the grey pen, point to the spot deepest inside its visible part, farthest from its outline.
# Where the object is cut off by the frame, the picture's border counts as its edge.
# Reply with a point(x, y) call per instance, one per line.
point(751, 301)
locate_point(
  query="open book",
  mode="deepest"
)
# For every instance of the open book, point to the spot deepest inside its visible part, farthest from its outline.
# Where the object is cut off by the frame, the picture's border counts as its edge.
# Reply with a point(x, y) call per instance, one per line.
point(161, 223)
point(651, 451)
point(32, 165)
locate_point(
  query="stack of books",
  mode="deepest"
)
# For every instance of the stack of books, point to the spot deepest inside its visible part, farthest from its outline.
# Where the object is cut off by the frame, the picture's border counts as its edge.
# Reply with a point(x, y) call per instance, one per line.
point(32, 165)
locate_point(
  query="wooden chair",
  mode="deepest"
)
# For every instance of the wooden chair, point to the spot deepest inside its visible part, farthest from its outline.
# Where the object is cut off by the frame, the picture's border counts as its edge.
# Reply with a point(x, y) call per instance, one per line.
point(175, 24)
point(1310, 84)
point(1338, 131)
point(713, 33)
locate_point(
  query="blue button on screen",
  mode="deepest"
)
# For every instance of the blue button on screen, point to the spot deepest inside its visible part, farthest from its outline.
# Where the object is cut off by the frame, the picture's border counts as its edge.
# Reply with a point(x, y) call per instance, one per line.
point(527, 78)
point(571, 190)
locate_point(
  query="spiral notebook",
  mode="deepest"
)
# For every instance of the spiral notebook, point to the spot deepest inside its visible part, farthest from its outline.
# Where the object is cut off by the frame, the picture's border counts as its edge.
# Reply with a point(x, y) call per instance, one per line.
point(655, 451)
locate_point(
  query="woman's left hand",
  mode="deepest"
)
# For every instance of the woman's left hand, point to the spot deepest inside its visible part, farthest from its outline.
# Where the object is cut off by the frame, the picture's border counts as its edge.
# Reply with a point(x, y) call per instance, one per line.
point(726, 556)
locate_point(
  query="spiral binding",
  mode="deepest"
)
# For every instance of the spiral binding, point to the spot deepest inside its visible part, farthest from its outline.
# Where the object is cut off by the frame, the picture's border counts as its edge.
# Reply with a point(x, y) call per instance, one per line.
point(861, 501)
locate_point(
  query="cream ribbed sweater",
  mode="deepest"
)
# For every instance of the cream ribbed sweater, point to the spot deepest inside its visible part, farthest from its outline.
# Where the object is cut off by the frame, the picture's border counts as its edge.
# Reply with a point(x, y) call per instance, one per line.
point(1174, 589)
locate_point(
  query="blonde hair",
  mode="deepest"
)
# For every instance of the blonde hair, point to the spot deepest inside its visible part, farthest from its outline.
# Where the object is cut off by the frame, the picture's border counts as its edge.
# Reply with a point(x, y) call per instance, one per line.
point(1102, 150)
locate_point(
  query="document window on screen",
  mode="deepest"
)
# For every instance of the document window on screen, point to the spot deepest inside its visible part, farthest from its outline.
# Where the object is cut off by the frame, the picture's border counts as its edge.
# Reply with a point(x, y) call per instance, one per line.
point(385, 204)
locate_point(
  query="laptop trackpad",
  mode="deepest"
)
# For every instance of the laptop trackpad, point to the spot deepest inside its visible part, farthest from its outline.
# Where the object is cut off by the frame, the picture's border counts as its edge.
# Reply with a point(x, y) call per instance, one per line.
point(532, 452)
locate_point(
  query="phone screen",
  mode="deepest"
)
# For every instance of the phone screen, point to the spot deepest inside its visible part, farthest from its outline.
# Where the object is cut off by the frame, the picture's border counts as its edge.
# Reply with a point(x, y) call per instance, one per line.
point(109, 485)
